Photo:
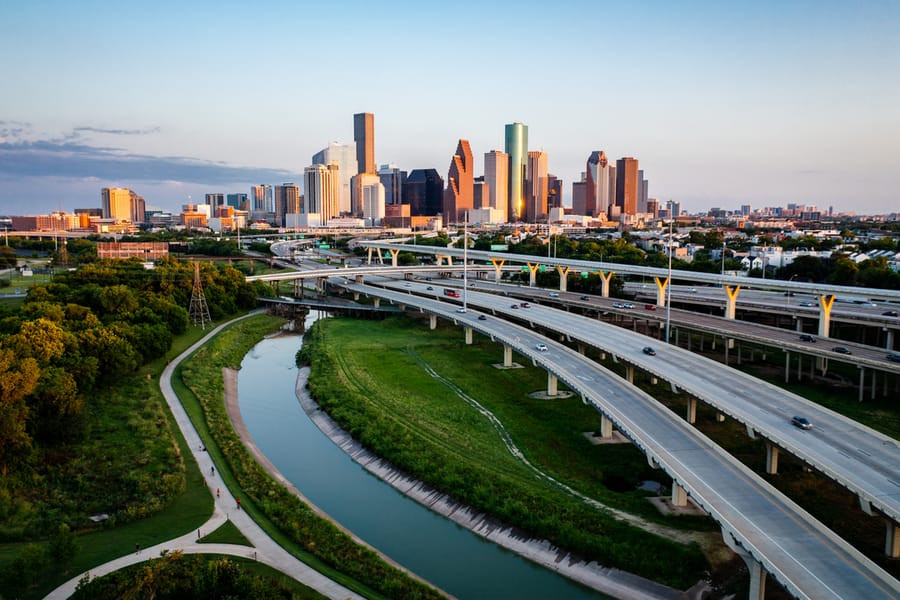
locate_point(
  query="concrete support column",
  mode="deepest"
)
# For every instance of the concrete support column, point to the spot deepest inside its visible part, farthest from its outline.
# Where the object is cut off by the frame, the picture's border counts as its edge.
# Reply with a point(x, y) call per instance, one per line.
point(691, 410)
point(862, 382)
point(468, 336)
point(787, 366)
point(875, 382)
point(720, 417)
point(727, 346)
point(653, 380)
point(377, 303)
point(755, 568)
point(356, 296)
point(394, 253)
point(498, 268)
point(605, 427)
point(679, 495)
point(580, 347)
point(532, 274)
point(369, 256)
point(661, 285)
point(629, 374)
point(731, 296)
point(799, 326)
point(507, 356)
point(892, 539)
point(563, 277)
point(826, 301)
point(889, 339)
point(552, 385)
point(432, 321)
point(799, 367)
point(605, 276)
point(771, 459)
point(702, 338)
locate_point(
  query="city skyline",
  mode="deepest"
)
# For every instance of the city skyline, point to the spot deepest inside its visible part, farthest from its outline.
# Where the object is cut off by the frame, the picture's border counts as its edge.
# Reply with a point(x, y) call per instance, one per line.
point(764, 104)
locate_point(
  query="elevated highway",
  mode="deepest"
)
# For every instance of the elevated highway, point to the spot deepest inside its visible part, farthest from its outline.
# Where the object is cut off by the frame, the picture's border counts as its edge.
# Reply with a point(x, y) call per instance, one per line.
point(771, 533)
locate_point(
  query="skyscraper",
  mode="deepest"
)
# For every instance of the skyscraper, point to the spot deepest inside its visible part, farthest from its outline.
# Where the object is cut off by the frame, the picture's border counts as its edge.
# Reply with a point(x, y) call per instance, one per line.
point(364, 136)
point(371, 198)
point(536, 187)
point(215, 202)
point(460, 194)
point(345, 156)
point(554, 191)
point(423, 192)
point(597, 193)
point(517, 149)
point(321, 190)
point(287, 202)
point(392, 179)
point(496, 176)
point(579, 196)
point(138, 207)
point(627, 185)
point(643, 189)
point(262, 198)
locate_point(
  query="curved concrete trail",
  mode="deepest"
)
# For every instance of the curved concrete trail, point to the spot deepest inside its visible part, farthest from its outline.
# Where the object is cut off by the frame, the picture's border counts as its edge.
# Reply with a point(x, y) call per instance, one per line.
point(264, 549)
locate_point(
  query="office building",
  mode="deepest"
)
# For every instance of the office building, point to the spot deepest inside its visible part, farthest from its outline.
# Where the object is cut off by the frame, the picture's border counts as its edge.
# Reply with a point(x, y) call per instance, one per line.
point(345, 157)
point(517, 149)
point(536, 187)
point(481, 198)
point(627, 185)
point(262, 198)
point(459, 196)
point(138, 208)
point(653, 207)
point(116, 203)
point(496, 178)
point(287, 202)
point(599, 191)
point(364, 137)
point(321, 191)
point(371, 198)
point(423, 191)
point(643, 189)
point(238, 201)
point(554, 191)
point(392, 179)
point(579, 196)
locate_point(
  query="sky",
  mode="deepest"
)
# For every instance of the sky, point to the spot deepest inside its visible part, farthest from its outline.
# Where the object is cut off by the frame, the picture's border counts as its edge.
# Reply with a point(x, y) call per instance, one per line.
point(723, 103)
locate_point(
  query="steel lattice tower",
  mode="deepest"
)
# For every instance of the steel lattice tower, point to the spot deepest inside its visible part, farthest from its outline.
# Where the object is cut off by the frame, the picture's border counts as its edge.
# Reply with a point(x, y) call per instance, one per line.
point(199, 310)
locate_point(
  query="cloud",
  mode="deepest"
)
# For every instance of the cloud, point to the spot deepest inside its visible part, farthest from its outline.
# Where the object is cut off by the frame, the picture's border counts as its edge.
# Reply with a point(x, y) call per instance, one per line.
point(71, 158)
point(146, 131)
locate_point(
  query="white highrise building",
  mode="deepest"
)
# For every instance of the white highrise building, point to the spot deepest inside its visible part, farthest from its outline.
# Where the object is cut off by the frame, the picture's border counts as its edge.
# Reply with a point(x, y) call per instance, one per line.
point(321, 186)
point(345, 156)
point(496, 176)
point(601, 184)
point(372, 202)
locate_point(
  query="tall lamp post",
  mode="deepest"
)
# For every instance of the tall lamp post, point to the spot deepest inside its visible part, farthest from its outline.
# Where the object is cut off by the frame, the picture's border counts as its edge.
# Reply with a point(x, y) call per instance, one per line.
point(669, 281)
point(465, 260)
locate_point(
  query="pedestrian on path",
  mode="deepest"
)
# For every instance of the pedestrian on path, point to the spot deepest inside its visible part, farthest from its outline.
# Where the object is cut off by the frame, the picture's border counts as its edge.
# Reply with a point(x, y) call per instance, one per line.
point(217, 492)
point(212, 470)
point(239, 504)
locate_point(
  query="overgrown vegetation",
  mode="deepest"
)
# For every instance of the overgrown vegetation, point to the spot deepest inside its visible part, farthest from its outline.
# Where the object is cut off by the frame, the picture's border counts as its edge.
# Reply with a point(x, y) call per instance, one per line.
point(371, 378)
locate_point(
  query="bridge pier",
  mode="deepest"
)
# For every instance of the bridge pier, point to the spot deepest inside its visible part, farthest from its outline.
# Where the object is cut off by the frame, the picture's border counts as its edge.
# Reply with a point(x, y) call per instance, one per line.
point(679, 495)
point(629, 373)
point(552, 385)
point(432, 321)
point(377, 302)
point(498, 268)
point(580, 347)
point(892, 539)
point(720, 417)
point(771, 459)
point(731, 293)
point(604, 279)
point(691, 410)
point(532, 274)
point(605, 427)
point(507, 356)
point(356, 296)
point(468, 336)
point(394, 253)
point(862, 382)
point(754, 567)
point(787, 366)
point(661, 285)
point(889, 339)
point(563, 277)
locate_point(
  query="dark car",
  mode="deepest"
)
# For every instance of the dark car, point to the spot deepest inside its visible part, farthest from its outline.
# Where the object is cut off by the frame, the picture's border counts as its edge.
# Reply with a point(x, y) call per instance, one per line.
point(524, 305)
point(893, 357)
point(805, 337)
point(482, 318)
point(801, 422)
point(429, 288)
point(585, 298)
point(649, 351)
point(650, 307)
point(890, 313)
point(514, 306)
point(841, 350)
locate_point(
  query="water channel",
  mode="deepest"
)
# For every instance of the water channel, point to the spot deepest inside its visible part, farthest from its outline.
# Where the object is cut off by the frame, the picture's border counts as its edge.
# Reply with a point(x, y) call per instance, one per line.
point(435, 548)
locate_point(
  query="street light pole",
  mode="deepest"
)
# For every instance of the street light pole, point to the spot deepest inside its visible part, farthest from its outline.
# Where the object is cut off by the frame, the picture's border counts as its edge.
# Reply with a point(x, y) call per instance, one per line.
point(669, 280)
point(465, 260)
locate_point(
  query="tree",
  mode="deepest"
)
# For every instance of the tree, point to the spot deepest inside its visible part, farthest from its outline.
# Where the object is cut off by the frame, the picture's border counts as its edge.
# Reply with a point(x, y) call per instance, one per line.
point(63, 547)
point(18, 378)
point(844, 272)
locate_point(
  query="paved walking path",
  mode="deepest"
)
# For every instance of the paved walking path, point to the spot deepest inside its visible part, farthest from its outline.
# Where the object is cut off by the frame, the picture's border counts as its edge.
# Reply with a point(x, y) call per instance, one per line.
point(264, 548)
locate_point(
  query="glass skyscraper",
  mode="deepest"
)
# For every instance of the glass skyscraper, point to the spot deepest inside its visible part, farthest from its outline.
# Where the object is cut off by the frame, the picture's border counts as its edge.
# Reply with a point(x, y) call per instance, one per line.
point(517, 149)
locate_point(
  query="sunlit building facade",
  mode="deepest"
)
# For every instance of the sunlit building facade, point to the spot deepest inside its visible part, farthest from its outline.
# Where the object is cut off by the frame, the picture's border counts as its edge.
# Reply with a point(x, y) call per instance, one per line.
point(516, 148)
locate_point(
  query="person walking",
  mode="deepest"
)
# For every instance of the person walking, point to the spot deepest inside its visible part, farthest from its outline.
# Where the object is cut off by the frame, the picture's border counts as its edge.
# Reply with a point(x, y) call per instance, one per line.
point(239, 504)
point(217, 492)
point(212, 470)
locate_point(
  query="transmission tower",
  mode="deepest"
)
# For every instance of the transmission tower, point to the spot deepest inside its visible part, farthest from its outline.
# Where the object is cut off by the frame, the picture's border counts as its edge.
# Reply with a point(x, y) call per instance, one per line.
point(199, 310)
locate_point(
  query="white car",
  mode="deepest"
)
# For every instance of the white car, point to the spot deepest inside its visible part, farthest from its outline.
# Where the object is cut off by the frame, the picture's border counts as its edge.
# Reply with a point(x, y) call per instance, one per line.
point(541, 347)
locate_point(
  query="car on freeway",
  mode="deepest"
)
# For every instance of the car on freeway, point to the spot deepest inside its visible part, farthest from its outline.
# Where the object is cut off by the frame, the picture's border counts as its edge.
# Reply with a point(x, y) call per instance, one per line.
point(482, 318)
point(649, 351)
point(805, 337)
point(841, 350)
point(554, 294)
point(806, 304)
point(893, 357)
point(514, 306)
point(408, 284)
point(801, 422)
point(628, 305)
point(618, 305)
point(524, 305)
point(650, 306)
point(460, 310)
point(890, 313)
point(541, 347)
point(585, 298)
point(429, 288)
